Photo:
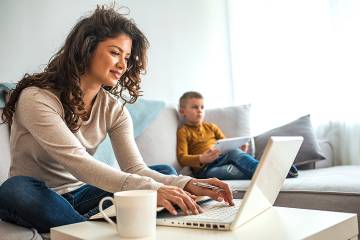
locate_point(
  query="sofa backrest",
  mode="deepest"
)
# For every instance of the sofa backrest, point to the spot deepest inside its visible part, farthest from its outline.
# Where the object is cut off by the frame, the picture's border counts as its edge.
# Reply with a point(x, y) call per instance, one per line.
point(234, 121)
point(4, 151)
point(157, 143)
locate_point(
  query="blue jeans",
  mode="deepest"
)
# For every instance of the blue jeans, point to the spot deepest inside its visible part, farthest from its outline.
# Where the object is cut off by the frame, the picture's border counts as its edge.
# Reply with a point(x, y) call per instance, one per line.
point(230, 166)
point(164, 169)
point(28, 202)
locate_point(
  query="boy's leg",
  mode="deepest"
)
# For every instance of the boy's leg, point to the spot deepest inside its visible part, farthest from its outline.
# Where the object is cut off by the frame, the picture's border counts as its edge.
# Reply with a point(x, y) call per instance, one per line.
point(164, 169)
point(293, 172)
point(29, 202)
point(220, 168)
point(243, 161)
point(225, 172)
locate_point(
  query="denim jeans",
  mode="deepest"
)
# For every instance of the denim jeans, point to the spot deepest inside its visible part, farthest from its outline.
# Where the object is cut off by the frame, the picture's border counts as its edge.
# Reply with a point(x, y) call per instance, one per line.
point(28, 202)
point(230, 166)
point(164, 169)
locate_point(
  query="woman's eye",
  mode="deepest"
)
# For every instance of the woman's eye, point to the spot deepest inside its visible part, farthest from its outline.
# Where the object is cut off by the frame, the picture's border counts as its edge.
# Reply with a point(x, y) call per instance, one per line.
point(127, 59)
point(115, 53)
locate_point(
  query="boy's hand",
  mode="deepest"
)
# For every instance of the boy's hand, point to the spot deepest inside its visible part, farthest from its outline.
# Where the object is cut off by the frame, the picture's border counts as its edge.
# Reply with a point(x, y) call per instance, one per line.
point(209, 156)
point(245, 148)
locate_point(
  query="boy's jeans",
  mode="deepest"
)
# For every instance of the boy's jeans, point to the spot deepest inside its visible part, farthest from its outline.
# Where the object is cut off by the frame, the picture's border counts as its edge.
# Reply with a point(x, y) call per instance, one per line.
point(230, 166)
point(28, 202)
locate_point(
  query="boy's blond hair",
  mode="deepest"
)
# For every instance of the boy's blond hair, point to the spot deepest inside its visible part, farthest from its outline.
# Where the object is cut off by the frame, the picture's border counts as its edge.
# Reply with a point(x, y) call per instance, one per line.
point(188, 95)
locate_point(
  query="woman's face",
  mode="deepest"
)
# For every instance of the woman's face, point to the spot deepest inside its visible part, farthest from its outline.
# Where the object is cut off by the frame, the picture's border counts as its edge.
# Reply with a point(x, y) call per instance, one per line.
point(109, 60)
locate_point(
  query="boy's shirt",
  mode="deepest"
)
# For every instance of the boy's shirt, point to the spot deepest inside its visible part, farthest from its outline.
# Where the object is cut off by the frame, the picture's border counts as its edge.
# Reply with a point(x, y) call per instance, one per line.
point(192, 141)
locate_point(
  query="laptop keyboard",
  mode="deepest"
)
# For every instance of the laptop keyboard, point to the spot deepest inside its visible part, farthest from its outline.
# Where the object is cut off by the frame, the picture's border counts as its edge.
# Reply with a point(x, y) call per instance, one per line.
point(218, 211)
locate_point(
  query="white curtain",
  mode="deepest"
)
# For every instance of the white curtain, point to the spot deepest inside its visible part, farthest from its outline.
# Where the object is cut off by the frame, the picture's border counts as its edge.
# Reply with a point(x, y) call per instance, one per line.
point(294, 57)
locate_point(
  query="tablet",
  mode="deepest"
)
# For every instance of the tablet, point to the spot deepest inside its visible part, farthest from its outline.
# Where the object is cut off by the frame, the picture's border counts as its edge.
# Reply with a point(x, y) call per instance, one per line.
point(227, 144)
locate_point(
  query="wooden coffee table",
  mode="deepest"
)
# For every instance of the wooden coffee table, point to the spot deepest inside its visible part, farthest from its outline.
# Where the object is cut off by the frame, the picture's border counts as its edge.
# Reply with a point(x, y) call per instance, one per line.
point(276, 223)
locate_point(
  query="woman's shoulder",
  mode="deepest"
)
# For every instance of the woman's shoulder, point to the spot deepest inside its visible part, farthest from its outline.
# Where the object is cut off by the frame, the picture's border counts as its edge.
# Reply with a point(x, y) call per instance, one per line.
point(108, 98)
point(39, 95)
point(112, 105)
point(32, 91)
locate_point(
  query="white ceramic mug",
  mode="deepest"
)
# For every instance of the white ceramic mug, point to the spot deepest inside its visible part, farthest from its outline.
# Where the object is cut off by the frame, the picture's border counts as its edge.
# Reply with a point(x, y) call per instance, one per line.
point(135, 213)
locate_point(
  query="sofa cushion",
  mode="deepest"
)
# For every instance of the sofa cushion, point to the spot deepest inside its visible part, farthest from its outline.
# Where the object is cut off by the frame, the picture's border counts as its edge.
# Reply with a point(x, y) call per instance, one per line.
point(333, 189)
point(157, 143)
point(5, 87)
point(309, 151)
point(336, 180)
point(234, 121)
point(5, 151)
point(143, 112)
point(9, 231)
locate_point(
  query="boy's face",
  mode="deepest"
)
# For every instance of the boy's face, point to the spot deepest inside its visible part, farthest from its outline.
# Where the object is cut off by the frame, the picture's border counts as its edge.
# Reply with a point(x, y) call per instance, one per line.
point(193, 111)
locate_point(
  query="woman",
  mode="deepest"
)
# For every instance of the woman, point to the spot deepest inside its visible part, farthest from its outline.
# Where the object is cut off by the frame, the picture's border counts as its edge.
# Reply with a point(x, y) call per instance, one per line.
point(59, 116)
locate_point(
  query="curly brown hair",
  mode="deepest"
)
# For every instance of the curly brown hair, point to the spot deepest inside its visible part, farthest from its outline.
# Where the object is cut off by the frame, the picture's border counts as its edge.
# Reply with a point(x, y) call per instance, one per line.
point(62, 73)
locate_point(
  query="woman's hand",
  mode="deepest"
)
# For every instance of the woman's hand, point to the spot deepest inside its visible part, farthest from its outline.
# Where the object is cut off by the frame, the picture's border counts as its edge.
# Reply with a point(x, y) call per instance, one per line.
point(168, 196)
point(224, 194)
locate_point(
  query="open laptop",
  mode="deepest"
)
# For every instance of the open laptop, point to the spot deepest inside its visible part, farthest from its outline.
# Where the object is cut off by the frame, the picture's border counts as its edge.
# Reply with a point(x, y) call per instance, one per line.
point(278, 156)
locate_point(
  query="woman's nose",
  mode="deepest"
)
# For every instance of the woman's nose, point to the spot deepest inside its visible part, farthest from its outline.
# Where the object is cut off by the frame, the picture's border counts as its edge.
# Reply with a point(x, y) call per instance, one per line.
point(121, 64)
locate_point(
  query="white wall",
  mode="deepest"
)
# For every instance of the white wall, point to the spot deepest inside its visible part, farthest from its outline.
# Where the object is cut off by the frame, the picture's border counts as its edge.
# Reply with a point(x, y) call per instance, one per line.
point(189, 42)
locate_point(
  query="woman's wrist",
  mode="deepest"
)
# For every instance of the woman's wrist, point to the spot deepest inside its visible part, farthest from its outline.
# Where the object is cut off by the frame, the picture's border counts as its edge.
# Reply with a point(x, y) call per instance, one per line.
point(188, 186)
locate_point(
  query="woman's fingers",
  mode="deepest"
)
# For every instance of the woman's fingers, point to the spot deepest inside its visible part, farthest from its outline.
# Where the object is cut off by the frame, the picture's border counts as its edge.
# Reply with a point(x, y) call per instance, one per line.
point(180, 203)
point(174, 195)
point(222, 192)
point(226, 194)
point(191, 195)
point(166, 204)
point(190, 204)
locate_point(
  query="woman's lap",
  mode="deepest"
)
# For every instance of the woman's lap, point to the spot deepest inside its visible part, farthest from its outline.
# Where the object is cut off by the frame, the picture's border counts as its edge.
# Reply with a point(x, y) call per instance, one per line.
point(28, 202)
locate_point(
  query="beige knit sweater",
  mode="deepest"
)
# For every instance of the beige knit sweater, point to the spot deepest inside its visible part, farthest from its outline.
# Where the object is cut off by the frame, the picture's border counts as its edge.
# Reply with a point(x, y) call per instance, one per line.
point(42, 146)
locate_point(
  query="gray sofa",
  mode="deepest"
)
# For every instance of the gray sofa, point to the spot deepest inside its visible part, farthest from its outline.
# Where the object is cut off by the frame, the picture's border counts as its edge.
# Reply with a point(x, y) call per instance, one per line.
point(327, 187)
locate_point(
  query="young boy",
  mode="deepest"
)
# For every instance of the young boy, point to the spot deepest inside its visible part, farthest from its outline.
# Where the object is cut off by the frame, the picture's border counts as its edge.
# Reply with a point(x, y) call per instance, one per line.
point(195, 145)
point(196, 140)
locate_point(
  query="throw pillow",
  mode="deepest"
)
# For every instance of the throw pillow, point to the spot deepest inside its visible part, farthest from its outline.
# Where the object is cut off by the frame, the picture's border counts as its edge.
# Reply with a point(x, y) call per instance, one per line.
point(310, 149)
point(233, 121)
point(5, 87)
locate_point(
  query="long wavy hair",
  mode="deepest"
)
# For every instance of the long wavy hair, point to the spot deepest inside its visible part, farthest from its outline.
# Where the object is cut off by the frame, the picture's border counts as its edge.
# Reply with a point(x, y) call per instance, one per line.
point(62, 73)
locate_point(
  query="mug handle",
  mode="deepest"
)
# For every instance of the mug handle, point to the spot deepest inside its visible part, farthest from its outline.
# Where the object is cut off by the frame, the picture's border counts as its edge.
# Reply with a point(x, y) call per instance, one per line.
point(102, 211)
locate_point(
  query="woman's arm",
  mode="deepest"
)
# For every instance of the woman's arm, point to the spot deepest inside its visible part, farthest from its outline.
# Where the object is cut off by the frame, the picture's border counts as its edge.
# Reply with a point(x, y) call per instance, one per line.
point(127, 152)
point(39, 111)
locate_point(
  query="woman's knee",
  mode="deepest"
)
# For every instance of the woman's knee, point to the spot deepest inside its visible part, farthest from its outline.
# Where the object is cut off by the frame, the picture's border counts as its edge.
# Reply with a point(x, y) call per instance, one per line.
point(164, 169)
point(170, 170)
point(19, 187)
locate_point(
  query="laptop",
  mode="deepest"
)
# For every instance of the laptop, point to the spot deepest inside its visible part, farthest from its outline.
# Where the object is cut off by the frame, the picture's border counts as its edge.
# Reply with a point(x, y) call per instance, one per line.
point(265, 185)
point(227, 144)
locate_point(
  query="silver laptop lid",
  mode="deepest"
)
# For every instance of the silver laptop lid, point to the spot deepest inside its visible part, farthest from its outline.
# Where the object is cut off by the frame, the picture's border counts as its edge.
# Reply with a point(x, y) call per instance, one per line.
point(278, 156)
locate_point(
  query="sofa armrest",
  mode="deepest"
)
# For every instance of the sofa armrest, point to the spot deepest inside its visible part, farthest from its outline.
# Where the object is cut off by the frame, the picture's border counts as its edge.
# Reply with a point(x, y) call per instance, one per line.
point(327, 151)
